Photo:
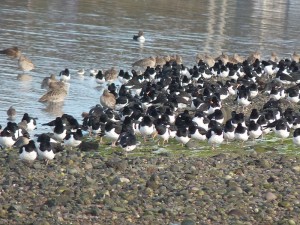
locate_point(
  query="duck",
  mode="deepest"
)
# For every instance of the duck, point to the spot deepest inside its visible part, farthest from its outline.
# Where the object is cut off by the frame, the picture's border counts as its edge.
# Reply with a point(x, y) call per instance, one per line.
point(139, 37)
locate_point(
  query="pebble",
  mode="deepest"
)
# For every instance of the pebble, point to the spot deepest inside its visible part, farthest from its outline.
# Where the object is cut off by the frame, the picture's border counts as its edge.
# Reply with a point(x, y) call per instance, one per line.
point(188, 222)
point(236, 212)
point(240, 191)
point(270, 196)
point(296, 168)
point(118, 209)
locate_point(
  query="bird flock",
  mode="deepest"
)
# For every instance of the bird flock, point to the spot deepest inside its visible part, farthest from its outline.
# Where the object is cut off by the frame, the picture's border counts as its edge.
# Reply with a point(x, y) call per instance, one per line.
point(162, 99)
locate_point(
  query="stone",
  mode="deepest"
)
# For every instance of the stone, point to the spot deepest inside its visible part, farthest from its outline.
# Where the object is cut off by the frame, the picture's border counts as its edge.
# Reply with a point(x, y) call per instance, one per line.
point(296, 168)
point(270, 196)
point(188, 222)
point(118, 209)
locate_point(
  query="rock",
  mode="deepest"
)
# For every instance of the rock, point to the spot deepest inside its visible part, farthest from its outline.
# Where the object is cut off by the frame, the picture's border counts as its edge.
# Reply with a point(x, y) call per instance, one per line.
point(73, 170)
point(51, 203)
point(118, 209)
point(296, 168)
point(124, 180)
point(292, 222)
point(284, 204)
point(14, 208)
point(37, 166)
point(116, 180)
point(265, 163)
point(89, 180)
point(153, 182)
point(3, 214)
point(270, 196)
point(95, 211)
point(236, 212)
point(88, 166)
point(239, 190)
point(228, 177)
point(188, 222)
point(117, 164)
point(42, 222)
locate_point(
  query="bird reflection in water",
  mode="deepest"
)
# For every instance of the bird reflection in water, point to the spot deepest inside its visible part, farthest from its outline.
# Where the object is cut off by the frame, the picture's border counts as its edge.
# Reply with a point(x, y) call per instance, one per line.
point(54, 108)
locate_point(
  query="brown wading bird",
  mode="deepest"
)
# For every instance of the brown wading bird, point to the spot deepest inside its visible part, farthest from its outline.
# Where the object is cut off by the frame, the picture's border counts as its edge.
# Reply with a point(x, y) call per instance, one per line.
point(47, 81)
point(274, 57)
point(25, 64)
point(209, 60)
point(160, 61)
point(11, 113)
point(253, 56)
point(223, 57)
point(57, 92)
point(12, 52)
point(111, 75)
point(176, 58)
point(144, 63)
point(236, 58)
point(108, 100)
point(296, 57)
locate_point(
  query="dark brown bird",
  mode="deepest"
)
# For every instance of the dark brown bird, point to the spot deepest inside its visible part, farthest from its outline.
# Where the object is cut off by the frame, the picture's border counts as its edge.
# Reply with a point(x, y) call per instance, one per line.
point(12, 52)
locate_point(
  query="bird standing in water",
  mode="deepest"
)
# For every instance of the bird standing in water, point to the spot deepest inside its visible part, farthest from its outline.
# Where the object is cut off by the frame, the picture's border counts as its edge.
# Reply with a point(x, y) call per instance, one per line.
point(139, 37)
point(25, 64)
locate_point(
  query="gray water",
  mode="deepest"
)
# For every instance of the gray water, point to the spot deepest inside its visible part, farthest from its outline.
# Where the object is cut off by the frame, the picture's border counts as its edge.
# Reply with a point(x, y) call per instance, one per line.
point(91, 34)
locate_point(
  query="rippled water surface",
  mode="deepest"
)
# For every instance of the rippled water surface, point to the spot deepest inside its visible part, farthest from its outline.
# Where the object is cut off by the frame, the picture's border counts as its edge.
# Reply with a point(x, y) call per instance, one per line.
point(98, 34)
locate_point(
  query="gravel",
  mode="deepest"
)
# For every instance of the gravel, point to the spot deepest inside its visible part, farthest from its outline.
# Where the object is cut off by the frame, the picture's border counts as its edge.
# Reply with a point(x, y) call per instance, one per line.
point(75, 188)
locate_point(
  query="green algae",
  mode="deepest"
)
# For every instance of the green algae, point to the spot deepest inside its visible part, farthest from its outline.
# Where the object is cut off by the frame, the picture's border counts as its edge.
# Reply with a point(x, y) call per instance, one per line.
point(269, 143)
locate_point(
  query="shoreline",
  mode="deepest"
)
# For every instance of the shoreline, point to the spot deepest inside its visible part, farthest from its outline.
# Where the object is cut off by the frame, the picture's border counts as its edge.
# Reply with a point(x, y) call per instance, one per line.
point(252, 188)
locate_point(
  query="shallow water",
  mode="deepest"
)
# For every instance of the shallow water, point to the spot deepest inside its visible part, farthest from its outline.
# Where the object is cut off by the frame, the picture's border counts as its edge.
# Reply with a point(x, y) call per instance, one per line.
point(98, 34)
